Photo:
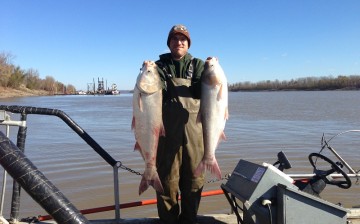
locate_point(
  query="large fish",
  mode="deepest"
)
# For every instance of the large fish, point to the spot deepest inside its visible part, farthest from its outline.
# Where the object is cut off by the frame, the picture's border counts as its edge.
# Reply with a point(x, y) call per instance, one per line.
point(213, 114)
point(147, 122)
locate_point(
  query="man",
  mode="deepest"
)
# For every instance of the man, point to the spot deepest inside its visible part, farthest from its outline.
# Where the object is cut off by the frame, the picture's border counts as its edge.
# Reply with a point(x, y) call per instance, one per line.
point(181, 150)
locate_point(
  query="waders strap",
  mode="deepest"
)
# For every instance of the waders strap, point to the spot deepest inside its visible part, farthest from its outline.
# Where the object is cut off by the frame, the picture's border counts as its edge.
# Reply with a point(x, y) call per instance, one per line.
point(168, 79)
point(190, 69)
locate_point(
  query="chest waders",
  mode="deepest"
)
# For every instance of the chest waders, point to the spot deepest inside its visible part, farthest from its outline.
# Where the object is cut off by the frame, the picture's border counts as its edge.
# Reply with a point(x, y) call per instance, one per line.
point(179, 153)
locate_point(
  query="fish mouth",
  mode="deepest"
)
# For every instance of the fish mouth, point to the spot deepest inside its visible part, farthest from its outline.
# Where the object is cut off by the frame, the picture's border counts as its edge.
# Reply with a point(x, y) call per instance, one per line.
point(147, 81)
point(147, 88)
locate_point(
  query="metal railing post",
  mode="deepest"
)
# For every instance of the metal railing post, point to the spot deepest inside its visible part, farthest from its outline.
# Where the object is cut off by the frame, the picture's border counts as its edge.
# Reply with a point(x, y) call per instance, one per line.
point(2, 219)
point(116, 192)
point(15, 201)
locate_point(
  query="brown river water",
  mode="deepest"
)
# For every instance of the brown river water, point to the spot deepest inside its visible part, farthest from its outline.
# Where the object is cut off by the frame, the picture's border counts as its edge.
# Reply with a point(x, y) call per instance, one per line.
point(260, 125)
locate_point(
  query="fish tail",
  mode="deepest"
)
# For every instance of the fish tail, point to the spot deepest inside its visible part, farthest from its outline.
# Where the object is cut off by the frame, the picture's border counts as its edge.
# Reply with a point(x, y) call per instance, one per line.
point(212, 167)
point(144, 185)
point(200, 169)
point(156, 183)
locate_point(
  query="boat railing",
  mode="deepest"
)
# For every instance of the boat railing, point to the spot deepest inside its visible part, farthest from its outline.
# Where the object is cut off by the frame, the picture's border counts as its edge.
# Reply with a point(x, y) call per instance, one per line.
point(24, 111)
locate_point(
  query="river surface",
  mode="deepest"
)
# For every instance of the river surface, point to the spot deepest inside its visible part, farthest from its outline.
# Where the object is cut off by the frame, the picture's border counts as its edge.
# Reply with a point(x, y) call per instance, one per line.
point(260, 125)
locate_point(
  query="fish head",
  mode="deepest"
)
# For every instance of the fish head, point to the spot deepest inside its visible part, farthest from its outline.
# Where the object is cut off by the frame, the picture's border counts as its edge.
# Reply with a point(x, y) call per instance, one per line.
point(213, 74)
point(148, 80)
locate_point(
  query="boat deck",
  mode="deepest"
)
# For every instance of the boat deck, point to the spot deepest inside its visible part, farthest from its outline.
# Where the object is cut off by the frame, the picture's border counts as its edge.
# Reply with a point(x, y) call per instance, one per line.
point(353, 218)
point(202, 219)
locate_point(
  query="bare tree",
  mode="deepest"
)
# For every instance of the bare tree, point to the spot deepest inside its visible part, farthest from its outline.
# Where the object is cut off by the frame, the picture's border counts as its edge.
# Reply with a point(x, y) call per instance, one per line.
point(6, 68)
point(70, 89)
point(32, 79)
point(16, 78)
point(49, 84)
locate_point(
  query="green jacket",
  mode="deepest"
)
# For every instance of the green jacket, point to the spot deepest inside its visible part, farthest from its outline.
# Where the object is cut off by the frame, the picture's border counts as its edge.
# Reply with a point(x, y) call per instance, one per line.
point(180, 69)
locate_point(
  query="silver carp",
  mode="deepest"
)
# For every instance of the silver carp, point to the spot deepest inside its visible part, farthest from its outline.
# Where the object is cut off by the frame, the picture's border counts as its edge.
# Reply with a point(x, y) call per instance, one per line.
point(147, 122)
point(213, 114)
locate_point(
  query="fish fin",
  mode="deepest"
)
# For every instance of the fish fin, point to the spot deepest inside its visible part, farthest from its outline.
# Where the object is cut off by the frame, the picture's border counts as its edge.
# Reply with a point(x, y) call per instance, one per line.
point(223, 136)
point(133, 123)
point(144, 185)
point(226, 113)
point(137, 146)
point(219, 95)
point(162, 130)
point(140, 103)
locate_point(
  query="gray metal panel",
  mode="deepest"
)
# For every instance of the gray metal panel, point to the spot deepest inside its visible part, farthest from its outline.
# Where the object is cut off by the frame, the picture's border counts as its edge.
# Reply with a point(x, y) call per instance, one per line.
point(295, 206)
point(251, 183)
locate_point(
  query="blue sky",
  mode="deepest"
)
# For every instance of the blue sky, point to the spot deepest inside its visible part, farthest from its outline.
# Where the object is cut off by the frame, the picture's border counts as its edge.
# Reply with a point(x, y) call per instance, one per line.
point(76, 41)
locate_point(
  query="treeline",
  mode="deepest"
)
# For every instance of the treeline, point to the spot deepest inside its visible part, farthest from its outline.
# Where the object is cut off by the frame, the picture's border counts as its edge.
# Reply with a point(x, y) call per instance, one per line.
point(310, 83)
point(12, 76)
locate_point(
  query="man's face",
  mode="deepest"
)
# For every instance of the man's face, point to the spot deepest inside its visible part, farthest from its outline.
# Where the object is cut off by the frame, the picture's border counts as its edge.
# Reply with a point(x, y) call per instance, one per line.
point(179, 46)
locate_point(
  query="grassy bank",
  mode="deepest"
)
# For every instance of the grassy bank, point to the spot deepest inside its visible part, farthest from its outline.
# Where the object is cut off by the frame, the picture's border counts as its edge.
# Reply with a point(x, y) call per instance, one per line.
point(9, 92)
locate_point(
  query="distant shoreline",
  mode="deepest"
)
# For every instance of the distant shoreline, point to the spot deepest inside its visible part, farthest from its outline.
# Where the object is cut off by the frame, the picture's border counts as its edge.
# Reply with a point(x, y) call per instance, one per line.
point(10, 92)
